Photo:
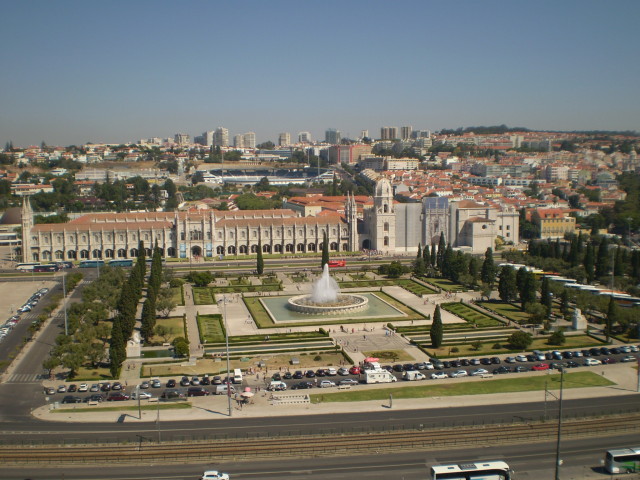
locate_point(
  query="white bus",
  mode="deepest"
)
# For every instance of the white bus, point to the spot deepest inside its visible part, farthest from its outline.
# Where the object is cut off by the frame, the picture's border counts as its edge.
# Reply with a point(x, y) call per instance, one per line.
point(27, 266)
point(622, 460)
point(495, 470)
point(237, 376)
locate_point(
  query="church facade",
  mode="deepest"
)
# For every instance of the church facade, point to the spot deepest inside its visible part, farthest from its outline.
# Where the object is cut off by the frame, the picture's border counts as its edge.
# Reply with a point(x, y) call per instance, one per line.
point(386, 227)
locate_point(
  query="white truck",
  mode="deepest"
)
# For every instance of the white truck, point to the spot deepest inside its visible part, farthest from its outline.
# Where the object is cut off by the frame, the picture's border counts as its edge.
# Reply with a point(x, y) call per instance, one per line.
point(413, 375)
point(374, 373)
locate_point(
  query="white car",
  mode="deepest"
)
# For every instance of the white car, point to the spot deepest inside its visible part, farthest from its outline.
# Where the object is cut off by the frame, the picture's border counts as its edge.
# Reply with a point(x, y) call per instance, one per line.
point(143, 396)
point(326, 384)
point(521, 358)
point(625, 349)
point(428, 366)
point(332, 372)
point(83, 387)
point(591, 362)
point(479, 371)
point(214, 475)
point(510, 360)
point(438, 375)
point(459, 373)
point(633, 348)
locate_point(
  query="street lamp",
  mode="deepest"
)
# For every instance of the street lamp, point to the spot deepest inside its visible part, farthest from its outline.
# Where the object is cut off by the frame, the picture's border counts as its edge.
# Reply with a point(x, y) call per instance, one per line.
point(558, 461)
point(64, 302)
point(226, 339)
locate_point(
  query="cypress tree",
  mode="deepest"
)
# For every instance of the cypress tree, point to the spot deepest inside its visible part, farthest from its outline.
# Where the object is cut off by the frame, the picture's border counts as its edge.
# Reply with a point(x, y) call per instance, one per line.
point(618, 264)
point(442, 246)
point(437, 332)
point(528, 294)
point(589, 262)
point(612, 316)
point(564, 302)
point(325, 250)
point(259, 259)
point(148, 320)
point(545, 295)
point(433, 262)
point(488, 273)
point(521, 276)
point(474, 269)
point(507, 284)
point(419, 255)
point(602, 260)
point(426, 255)
point(117, 348)
point(447, 263)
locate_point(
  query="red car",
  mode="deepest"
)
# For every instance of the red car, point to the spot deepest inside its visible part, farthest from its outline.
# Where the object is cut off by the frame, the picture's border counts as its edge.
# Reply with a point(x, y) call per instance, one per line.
point(355, 370)
point(540, 366)
point(117, 397)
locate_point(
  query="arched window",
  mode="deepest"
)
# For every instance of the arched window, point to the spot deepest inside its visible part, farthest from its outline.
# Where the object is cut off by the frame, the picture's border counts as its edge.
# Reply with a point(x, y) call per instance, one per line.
point(171, 252)
point(71, 254)
point(385, 208)
point(84, 254)
point(386, 241)
point(122, 253)
point(386, 226)
point(108, 253)
point(59, 255)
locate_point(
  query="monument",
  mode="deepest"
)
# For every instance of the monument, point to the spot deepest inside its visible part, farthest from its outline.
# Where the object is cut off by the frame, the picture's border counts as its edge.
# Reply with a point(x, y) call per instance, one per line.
point(578, 321)
point(326, 299)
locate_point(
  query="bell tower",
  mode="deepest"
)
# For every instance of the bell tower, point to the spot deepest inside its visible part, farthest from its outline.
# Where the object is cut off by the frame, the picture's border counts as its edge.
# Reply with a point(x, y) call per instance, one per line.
point(384, 217)
point(27, 225)
point(351, 216)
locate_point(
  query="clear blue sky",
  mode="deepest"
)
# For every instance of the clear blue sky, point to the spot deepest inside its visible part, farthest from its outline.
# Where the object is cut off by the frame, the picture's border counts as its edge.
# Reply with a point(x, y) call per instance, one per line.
point(78, 71)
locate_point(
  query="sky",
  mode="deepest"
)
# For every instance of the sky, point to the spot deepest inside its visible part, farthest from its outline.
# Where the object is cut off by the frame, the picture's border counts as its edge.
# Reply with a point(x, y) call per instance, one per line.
point(75, 71)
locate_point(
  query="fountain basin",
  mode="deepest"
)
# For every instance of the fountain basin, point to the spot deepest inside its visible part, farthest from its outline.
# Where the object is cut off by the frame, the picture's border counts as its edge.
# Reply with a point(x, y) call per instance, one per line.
point(343, 304)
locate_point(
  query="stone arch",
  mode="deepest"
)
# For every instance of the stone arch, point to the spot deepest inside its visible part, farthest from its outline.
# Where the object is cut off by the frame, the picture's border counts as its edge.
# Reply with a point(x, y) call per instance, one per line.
point(59, 254)
point(171, 251)
point(219, 250)
point(254, 248)
point(231, 250)
point(277, 248)
point(108, 253)
point(96, 253)
point(366, 244)
point(300, 247)
point(72, 255)
point(46, 256)
point(289, 247)
point(243, 249)
point(311, 247)
point(333, 246)
point(84, 254)
point(122, 253)
point(266, 248)
point(133, 252)
point(196, 251)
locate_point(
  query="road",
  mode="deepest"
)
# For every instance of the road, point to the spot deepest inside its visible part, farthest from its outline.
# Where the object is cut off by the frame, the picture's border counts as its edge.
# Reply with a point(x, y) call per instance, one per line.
point(581, 460)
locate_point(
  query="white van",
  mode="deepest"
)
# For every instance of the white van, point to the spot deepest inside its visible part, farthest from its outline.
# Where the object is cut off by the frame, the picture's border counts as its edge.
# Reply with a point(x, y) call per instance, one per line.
point(237, 376)
point(591, 362)
point(277, 387)
point(225, 389)
point(413, 375)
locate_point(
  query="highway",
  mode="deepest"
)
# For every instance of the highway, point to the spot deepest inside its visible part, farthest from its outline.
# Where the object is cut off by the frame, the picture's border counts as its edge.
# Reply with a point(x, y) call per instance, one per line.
point(581, 459)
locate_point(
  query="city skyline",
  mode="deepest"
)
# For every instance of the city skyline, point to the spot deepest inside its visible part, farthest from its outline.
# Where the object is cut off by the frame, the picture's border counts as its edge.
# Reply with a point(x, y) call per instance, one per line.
point(77, 73)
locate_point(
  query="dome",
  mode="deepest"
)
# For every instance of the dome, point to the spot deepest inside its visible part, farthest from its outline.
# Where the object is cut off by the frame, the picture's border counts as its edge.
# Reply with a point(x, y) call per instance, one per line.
point(12, 216)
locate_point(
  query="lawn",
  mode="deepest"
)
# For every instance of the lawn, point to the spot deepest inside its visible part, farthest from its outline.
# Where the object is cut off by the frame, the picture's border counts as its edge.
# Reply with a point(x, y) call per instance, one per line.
point(177, 295)
point(540, 343)
point(446, 285)
point(175, 326)
point(507, 310)
point(471, 315)
point(502, 385)
point(202, 296)
point(86, 374)
point(390, 355)
point(408, 284)
point(211, 329)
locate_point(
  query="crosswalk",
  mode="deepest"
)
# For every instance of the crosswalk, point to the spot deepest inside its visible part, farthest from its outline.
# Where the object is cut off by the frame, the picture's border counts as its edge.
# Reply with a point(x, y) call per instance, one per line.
point(25, 378)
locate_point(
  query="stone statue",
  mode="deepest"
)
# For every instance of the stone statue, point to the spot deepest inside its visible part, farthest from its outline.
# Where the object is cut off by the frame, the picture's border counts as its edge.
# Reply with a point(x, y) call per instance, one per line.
point(578, 321)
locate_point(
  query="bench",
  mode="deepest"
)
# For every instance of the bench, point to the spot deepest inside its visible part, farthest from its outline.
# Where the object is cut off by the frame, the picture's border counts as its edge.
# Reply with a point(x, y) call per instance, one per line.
point(486, 375)
point(344, 387)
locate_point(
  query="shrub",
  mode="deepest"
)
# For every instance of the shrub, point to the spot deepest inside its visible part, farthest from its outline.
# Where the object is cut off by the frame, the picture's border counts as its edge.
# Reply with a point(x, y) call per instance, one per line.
point(455, 349)
point(317, 358)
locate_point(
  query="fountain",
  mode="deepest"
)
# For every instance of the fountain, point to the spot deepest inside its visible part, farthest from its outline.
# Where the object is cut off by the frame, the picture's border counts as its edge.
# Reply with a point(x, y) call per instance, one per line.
point(326, 299)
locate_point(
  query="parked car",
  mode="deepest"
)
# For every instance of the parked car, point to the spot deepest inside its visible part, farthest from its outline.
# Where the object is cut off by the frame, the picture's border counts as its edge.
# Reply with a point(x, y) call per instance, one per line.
point(321, 372)
point(205, 380)
point(495, 361)
point(343, 371)
point(116, 386)
point(276, 377)
point(72, 388)
point(520, 368)
point(62, 389)
point(94, 387)
point(298, 374)
point(105, 387)
point(510, 360)
point(71, 399)
point(502, 369)
point(83, 387)
point(438, 375)
point(197, 392)
point(287, 376)
point(172, 394)
point(458, 373)
point(474, 361)
point(156, 383)
point(217, 380)
point(185, 382)
point(628, 358)
point(310, 374)
point(355, 370)
point(521, 358)
point(142, 395)
point(332, 372)
point(96, 397)
point(117, 397)
point(348, 381)
point(540, 366)
point(49, 391)
point(326, 384)
point(479, 371)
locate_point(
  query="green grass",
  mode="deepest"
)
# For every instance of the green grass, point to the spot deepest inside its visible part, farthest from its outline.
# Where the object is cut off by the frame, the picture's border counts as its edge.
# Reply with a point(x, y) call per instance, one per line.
point(408, 284)
point(175, 326)
point(507, 310)
point(446, 285)
point(211, 328)
point(471, 315)
point(202, 296)
point(162, 406)
point(176, 295)
point(504, 385)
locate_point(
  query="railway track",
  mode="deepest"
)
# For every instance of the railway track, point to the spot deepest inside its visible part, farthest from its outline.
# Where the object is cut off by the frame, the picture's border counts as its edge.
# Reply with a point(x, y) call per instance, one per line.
point(146, 451)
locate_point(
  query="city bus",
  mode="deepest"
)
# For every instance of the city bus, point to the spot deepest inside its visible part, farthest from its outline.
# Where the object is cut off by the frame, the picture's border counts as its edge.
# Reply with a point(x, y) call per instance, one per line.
point(128, 262)
point(622, 460)
point(27, 266)
point(91, 263)
point(337, 263)
point(494, 470)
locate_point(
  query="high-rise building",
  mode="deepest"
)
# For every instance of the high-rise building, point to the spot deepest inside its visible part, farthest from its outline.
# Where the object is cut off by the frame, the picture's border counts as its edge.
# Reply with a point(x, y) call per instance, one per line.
point(421, 134)
point(364, 134)
point(221, 137)
point(182, 138)
point(405, 132)
point(249, 140)
point(332, 136)
point(304, 137)
point(238, 141)
point(388, 133)
point(284, 139)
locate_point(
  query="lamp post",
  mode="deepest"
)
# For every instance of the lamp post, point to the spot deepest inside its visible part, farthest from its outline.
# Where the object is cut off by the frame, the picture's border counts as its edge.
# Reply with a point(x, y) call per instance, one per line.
point(558, 461)
point(226, 339)
point(64, 303)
